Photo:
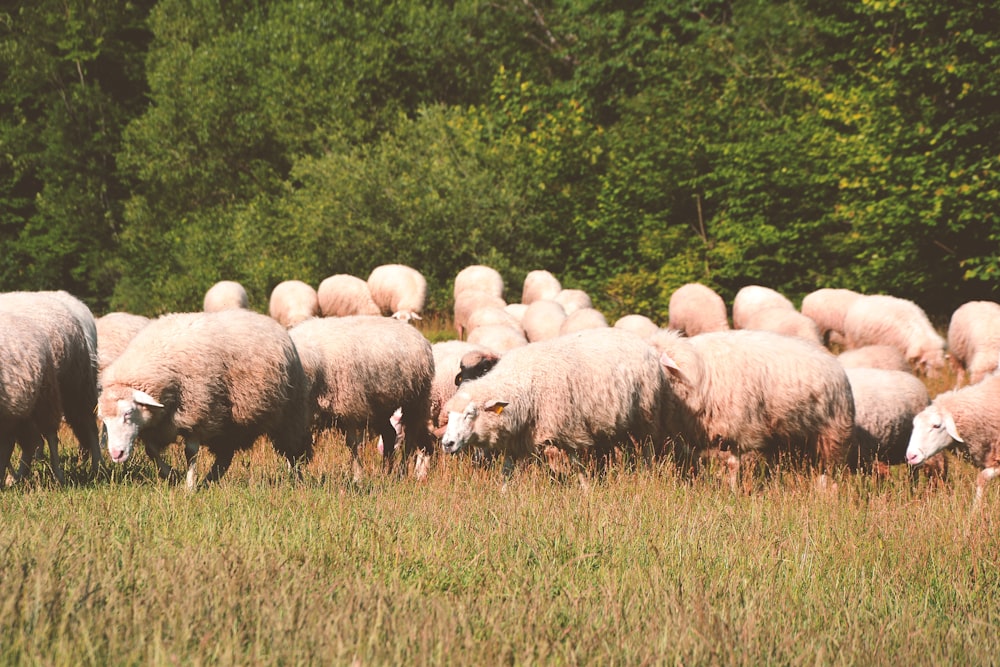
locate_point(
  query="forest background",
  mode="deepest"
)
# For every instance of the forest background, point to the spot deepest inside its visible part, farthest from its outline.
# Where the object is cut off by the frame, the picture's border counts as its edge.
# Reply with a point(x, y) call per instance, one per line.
point(149, 148)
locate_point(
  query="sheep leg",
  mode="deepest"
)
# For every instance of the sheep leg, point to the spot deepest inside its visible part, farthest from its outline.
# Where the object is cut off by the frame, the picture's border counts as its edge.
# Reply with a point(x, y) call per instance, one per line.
point(162, 467)
point(581, 471)
point(6, 450)
point(984, 477)
point(191, 448)
point(353, 439)
point(29, 440)
point(223, 460)
point(388, 434)
point(53, 440)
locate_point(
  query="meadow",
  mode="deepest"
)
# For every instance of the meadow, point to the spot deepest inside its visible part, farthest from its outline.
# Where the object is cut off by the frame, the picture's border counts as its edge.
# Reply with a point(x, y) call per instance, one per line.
point(642, 567)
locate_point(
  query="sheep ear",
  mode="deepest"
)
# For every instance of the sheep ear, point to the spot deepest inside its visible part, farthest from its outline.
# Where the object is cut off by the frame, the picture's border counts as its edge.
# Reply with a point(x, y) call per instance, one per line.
point(142, 398)
point(495, 406)
point(949, 426)
point(671, 367)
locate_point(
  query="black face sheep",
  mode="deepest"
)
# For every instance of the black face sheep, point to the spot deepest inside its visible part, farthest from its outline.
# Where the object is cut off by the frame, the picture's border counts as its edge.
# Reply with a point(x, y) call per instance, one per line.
point(969, 418)
point(292, 302)
point(215, 379)
point(879, 319)
point(342, 294)
point(758, 392)
point(585, 392)
point(540, 284)
point(449, 372)
point(225, 295)
point(974, 340)
point(827, 307)
point(363, 368)
point(696, 309)
point(399, 290)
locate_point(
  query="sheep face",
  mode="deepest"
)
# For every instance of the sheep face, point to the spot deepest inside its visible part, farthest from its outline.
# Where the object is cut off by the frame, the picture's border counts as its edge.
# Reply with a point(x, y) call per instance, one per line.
point(473, 425)
point(124, 419)
point(933, 430)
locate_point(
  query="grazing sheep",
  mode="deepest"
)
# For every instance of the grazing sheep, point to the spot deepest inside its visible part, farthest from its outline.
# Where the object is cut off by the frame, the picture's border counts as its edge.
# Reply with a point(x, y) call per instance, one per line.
point(470, 301)
point(697, 309)
point(885, 403)
point(538, 285)
point(753, 298)
point(584, 318)
point(342, 294)
point(361, 369)
point(974, 340)
point(400, 291)
point(585, 392)
point(225, 295)
point(293, 302)
point(449, 372)
point(783, 321)
point(827, 307)
point(887, 320)
point(573, 300)
point(30, 402)
point(749, 392)
point(969, 418)
point(216, 379)
point(490, 315)
point(72, 332)
point(542, 320)
point(479, 278)
point(114, 332)
point(498, 337)
point(885, 357)
point(640, 325)
point(517, 311)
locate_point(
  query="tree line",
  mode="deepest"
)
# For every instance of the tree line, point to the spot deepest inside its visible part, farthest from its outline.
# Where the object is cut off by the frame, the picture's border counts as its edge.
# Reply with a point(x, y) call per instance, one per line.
point(151, 148)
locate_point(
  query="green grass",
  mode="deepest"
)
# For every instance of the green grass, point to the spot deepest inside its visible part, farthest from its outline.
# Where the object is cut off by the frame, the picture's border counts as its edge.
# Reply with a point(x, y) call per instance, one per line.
point(644, 568)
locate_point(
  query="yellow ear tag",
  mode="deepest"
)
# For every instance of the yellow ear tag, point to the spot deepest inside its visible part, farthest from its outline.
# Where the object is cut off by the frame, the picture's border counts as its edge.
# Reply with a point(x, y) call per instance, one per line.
point(498, 409)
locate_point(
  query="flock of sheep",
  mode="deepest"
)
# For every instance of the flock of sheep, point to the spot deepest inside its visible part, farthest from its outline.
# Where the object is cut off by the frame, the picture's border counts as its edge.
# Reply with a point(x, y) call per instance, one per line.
point(548, 377)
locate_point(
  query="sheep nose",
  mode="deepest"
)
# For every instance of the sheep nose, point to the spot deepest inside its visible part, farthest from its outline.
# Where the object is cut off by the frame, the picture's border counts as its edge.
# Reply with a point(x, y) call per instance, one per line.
point(912, 458)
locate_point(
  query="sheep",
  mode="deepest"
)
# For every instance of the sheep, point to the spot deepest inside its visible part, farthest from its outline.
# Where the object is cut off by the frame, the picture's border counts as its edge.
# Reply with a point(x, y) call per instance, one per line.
point(584, 392)
point(969, 418)
point(216, 379)
point(499, 337)
point(783, 321)
point(468, 302)
point(538, 285)
point(517, 311)
point(490, 315)
point(542, 320)
point(749, 392)
point(225, 295)
point(974, 340)
point(400, 291)
point(114, 332)
point(362, 368)
point(584, 318)
point(449, 372)
point(573, 300)
point(695, 309)
point(293, 302)
point(885, 403)
point(343, 294)
point(72, 332)
point(479, 278)
point(884, 357)
point(640, 325)
point(30, 402)
point(887, 320)
point(827, 307)
point(753, 298)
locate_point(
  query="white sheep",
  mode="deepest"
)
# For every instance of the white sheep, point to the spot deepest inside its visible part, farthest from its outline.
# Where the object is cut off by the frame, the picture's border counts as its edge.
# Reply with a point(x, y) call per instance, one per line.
point(974, 340)
point(885, 357)
point(540, 284)
point(585, 392)
point(72, 332)
point(225, 295)
point(114, 332)
point(542, 320)
point(479, 278)
point(695, 309)
point(30, 401)
point(573, 300)
point(448, 357)
point(470, 301)
point(342, 294)
point(499, 337)
point(640, 325)
point(783, 321)
point(293, 302)
point(753, 298)
point(758, 392)
point(361, 369)
point(885, 403)
point(880, 319)
point(399, 290)
point(517, 311)
point(490, 315)
point(827, 307)
point(218, 380)
point(969, 418)
point(584, 318)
